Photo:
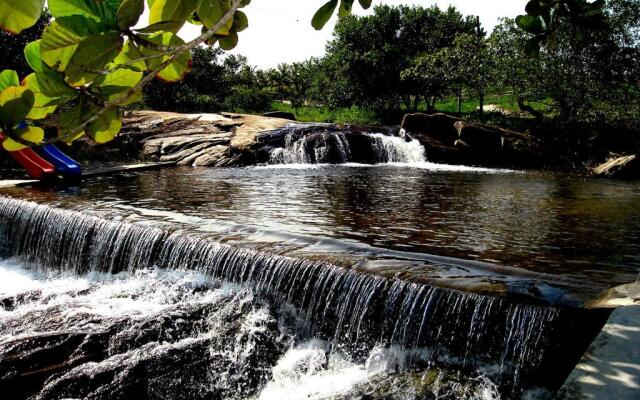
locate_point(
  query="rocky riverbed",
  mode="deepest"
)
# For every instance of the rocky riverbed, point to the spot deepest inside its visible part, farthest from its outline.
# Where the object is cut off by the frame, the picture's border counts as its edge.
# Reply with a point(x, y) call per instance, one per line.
point(228, 139)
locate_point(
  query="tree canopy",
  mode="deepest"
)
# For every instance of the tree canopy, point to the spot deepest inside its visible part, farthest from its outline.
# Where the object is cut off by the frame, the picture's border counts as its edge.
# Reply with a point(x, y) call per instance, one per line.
point(93, 59)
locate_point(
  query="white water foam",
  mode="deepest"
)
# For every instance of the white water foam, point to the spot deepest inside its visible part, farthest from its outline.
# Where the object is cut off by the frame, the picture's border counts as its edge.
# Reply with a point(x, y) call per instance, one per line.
point(424, 165)
point(308, 371)
point(138, 294)
point(396, 149)
point(392, 151)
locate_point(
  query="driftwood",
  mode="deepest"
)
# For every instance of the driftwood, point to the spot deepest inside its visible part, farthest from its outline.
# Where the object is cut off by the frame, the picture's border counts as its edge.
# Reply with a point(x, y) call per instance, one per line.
point(619, 167)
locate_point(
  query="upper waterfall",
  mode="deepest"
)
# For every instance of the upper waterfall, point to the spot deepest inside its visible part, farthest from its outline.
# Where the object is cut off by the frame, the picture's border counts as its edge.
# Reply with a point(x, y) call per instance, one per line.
point(337, 147)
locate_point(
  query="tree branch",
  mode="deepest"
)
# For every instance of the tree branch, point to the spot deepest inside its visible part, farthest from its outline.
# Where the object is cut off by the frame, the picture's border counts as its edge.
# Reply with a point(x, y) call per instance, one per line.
point(177, 51)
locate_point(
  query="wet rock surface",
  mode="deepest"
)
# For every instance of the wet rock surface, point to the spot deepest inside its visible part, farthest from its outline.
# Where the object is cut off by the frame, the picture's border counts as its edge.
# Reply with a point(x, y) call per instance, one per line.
point(187, 139)
point(431, 384)
point(154, 335)
point(453, 140)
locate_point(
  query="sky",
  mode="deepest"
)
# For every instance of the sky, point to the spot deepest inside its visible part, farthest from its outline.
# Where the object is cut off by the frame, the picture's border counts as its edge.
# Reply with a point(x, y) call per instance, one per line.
point(280, 30)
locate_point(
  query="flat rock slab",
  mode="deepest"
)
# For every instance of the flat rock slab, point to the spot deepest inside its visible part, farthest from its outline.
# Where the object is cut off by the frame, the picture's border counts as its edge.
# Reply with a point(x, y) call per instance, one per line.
point(199, 139)
point(14, 183)
point(610, 369)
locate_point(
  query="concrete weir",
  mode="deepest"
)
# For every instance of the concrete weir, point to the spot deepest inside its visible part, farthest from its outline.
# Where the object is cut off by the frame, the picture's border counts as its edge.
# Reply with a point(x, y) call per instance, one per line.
point(610, 369)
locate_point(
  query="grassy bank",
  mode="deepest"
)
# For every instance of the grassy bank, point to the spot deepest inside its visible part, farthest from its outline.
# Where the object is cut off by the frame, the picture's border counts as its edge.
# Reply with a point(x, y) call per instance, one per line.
point(358, 115)
point(353, 115)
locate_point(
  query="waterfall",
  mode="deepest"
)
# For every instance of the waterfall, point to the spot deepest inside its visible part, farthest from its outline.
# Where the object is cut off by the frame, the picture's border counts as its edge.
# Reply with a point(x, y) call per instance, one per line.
point(396, 149)
point(518, 345)
point(338, 147)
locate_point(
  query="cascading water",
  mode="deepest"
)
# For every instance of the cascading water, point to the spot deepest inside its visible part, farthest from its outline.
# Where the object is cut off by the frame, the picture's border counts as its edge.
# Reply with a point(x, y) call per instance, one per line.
point(337, 147)
point(413, 327)
point(396, 149)
point(323, 147)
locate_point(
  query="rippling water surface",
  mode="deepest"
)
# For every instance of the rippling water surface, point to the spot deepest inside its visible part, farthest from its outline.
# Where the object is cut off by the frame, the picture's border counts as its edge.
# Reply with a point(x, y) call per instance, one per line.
point(429, 221)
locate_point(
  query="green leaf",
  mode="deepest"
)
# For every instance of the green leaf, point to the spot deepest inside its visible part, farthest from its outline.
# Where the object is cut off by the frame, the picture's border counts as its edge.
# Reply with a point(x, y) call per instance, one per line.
point(107, 126)
point(72, 118)
point(33, 56)
point(530, 24)
point(49, 81)
point(52, 84)
point(58, 45)
point(129, 13)
point(229, 42)
point(323, 15)
point(170, 26)
point(171, 10)
point(365, 3)
point(43, 104)
point(240, 21)
point(343, 11)
point(31, 134)
point(8, 77)
point(15, 104)
point(178, 68)
point(92, 55)
point(532, 46)
point(210, 12)
point(535, 8)
point(17, 15)
point(113, 85)
point(131, 56)
point(103, 12)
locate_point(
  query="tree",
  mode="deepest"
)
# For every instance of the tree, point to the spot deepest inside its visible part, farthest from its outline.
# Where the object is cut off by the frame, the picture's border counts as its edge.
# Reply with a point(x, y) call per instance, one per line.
point(431, 76)
point(578, 74)
point(370, 53)
point(476, 67)
point(293, 81)
point(91, 61)
point(203, 89)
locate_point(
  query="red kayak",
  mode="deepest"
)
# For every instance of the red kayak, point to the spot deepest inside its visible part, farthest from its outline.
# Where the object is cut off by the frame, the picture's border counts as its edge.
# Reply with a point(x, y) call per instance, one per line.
point(36, 166)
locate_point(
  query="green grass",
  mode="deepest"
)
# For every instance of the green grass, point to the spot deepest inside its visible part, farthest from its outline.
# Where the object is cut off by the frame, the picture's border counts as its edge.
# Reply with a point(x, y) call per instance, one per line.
point(357, 115)
point(505, 102)
point(353, 115)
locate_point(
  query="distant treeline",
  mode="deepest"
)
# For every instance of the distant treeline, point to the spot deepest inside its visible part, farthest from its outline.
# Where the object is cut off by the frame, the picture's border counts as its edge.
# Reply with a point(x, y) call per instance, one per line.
point(408, 58)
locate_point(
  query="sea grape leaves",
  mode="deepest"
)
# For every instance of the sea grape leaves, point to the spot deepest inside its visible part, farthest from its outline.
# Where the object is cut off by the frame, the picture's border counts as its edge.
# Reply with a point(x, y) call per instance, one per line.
point(17, 15)
point(32, 134)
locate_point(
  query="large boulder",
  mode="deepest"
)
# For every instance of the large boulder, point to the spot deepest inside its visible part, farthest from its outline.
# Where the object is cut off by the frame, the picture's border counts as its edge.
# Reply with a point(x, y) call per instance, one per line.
point(453, 140)
point(189, 139)
point(619, 167)
point(479, 138)
point(431, 128)
point(436, 132)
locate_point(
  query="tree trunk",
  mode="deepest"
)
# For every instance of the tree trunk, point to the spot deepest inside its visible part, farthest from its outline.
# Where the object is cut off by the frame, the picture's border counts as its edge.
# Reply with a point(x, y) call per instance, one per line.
point(416, 103)
point(407, 102)
point(481, 105)
point(430, 100)
point(460, 101)
point(527, 108)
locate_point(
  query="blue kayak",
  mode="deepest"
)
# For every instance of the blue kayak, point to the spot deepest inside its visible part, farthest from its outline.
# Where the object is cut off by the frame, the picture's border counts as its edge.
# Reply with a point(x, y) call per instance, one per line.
point(63, 164)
